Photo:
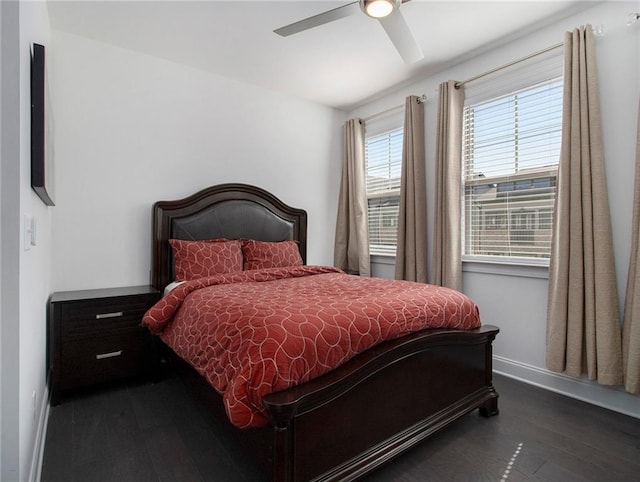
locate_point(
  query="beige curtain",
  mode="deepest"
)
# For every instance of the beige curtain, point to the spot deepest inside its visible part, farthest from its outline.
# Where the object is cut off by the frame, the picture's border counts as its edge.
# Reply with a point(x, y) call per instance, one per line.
point(411, 252)
point(631, 328)
point(351, 250)
point(447, 244)
point(583, 320)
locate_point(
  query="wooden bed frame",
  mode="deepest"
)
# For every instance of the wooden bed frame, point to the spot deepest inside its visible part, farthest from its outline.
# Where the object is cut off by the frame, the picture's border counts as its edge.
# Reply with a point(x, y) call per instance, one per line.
point(374, 407)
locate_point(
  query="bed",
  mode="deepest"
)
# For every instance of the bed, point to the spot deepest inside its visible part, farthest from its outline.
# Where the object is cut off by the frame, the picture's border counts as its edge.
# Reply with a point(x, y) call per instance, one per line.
point(374, 406)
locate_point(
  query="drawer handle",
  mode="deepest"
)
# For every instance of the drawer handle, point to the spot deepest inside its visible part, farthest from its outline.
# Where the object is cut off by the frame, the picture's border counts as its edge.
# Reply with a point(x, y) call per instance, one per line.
point(115, 314)
point(108, 355)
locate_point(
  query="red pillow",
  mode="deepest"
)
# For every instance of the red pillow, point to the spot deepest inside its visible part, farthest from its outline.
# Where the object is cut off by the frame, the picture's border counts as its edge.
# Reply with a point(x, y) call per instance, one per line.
point(263, 254)
point(198, 259)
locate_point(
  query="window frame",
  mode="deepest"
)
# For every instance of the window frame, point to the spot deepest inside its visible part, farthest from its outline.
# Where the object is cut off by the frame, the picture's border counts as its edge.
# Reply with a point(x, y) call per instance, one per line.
point(543, 70)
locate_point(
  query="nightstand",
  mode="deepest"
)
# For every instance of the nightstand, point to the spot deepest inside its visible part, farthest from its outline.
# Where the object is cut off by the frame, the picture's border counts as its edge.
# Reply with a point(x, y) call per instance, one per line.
point(96, 336)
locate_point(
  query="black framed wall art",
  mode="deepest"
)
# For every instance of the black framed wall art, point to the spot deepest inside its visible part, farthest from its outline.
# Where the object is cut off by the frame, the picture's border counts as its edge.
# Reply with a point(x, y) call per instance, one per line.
point(42, 180)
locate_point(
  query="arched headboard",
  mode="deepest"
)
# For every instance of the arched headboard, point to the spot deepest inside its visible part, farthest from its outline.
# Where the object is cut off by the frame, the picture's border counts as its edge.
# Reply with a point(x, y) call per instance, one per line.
point(230, 211)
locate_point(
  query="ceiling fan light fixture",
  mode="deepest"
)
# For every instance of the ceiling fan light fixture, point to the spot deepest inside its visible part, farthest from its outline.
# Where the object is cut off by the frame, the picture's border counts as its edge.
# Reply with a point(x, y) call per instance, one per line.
point(379, 8)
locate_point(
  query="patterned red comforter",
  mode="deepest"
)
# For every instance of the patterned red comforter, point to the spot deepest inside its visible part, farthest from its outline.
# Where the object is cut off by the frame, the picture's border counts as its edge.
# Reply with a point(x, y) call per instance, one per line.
point(255, 332)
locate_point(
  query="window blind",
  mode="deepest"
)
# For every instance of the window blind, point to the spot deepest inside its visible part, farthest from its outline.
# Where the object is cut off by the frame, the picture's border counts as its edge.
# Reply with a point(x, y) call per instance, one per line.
point(511, 146)
point(383, 157)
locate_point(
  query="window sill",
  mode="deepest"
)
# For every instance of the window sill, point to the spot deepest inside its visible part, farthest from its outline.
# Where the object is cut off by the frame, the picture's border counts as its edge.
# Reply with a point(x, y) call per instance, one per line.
point(521, 268)
point(389, 259)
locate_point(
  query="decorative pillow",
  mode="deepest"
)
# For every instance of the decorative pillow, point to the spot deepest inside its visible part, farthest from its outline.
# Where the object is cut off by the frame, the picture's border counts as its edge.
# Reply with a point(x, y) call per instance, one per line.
point(198, 259)
point(263, 254)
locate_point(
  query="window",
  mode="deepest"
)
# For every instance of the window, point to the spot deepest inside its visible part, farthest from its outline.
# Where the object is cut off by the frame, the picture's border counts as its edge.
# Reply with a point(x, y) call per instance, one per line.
point(511, 146)
point(383, 162)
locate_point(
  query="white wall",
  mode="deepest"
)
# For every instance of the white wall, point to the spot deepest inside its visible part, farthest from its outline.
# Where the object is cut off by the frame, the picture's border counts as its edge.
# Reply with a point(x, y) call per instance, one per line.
point(9, 229)
point(133, 129)
point(1, 294)
point(25, 274)
point(35, 264)
point(515, 303)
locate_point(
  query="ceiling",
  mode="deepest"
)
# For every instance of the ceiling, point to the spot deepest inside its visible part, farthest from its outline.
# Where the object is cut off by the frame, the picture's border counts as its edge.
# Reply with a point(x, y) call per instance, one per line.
point(341, 64)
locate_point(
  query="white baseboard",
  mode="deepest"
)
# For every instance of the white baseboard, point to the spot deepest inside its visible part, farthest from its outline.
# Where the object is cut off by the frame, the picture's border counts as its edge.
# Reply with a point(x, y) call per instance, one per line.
point(612, 398)
point(38, 451)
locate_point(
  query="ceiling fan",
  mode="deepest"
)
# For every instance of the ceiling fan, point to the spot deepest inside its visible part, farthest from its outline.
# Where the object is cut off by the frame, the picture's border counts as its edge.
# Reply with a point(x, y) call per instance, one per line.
point(387, 12)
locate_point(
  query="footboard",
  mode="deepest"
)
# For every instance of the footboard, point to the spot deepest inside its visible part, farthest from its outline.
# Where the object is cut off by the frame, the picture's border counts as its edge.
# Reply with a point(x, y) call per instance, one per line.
point(381, 403)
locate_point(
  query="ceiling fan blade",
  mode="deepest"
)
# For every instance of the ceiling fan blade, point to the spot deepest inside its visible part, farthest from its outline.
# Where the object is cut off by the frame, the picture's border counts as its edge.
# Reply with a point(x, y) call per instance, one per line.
point(320, 19)
point(401, 36)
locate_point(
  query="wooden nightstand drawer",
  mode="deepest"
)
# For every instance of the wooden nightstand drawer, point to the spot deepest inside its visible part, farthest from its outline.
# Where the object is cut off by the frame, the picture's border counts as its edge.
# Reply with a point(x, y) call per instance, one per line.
point(105, 358)
point(87, 318)
point(97, 335)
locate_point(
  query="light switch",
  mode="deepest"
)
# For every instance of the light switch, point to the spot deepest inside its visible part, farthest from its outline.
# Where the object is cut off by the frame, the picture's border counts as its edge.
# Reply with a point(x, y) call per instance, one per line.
point(33, 230)
point(29, 232)
point(28, 219)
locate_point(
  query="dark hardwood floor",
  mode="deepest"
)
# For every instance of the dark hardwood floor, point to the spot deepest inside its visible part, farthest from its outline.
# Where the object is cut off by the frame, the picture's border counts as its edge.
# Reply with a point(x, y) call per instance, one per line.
point(141, 431)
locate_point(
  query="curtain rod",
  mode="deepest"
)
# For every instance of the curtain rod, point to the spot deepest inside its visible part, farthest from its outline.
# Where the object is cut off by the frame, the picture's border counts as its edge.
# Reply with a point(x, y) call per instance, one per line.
point(489, 72)
point(422, 99)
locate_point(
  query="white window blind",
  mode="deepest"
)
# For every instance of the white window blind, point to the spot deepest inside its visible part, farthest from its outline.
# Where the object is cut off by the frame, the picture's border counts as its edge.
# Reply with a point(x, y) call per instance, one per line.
point(510, 160)
point(383, 157)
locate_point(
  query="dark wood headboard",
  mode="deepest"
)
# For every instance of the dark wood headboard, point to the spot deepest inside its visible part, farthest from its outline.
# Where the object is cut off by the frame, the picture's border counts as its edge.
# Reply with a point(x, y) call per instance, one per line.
point(231, 211)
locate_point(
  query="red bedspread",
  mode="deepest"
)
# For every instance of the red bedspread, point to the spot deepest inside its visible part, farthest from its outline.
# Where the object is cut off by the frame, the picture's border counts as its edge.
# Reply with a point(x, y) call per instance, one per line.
point(256, 332)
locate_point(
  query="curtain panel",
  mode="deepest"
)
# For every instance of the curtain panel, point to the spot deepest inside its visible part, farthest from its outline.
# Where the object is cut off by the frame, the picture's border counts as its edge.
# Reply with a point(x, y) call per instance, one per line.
point(351, 249)
point(447, 243)
point(583, 320)
point(411, 248)
point(631, 327)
